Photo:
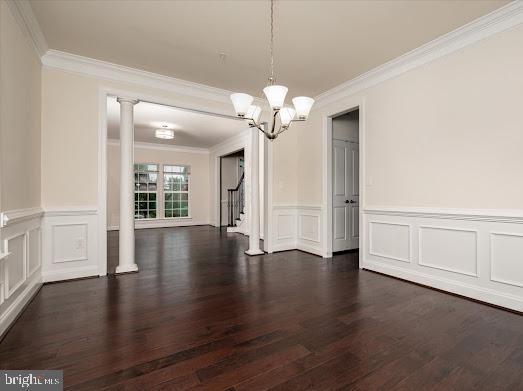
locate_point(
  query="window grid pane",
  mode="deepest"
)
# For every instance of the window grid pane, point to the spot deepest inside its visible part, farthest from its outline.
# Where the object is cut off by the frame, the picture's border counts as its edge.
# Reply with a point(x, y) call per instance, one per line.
point(145, 190)
point(176, 191)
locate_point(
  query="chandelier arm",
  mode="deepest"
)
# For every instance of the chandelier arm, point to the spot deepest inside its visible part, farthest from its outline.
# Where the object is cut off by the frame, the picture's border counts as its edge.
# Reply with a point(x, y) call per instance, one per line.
point(282, 129)
point(273, 125)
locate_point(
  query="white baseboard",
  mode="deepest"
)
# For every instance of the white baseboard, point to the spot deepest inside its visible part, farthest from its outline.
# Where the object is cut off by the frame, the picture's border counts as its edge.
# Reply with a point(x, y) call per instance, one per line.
point(482, 294)
point(11, 313)
point(66, 274)
point(310, 248)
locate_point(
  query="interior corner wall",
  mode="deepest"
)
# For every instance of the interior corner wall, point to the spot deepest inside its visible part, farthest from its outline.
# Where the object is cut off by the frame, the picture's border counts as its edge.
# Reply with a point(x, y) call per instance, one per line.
point(20, 97)
point(199, 184)
point(20, 163)
point(285, 160)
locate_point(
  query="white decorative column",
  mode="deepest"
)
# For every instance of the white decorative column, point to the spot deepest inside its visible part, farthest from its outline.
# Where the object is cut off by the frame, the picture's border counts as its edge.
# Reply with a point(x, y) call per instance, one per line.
point(254, 218)
point(126, 262)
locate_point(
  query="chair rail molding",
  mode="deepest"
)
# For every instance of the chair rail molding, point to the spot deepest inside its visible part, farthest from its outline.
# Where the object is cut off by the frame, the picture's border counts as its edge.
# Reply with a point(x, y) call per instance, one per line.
point(470, 252)
point(497, 21)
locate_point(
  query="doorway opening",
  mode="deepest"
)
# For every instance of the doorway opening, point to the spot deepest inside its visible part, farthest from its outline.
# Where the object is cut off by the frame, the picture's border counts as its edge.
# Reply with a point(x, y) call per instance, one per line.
point(171, 168)
point(232, 191)
point(345, 181)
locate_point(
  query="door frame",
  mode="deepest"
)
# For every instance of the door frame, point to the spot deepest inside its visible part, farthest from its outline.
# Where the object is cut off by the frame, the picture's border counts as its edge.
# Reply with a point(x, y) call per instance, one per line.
point(327, 234)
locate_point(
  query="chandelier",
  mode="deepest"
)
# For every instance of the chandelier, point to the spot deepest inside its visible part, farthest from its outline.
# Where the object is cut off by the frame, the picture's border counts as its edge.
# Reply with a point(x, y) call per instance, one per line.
point(275, 94)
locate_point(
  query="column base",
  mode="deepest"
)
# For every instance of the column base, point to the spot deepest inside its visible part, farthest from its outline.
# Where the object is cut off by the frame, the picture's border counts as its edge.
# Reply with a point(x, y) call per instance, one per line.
point(254, 252)
point(132, 268)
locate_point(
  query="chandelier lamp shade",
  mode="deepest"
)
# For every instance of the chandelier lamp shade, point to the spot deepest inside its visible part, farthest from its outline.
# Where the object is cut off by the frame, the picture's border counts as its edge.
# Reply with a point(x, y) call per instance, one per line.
point(275, 94)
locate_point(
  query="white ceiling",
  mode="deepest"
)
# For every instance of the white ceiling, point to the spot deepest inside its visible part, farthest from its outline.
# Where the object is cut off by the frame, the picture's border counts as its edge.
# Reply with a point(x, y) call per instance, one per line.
point(191, 129)
point(319, 44)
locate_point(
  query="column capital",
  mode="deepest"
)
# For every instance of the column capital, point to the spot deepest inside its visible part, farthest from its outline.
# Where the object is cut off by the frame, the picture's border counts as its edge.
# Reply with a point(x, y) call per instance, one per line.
point(121, 99)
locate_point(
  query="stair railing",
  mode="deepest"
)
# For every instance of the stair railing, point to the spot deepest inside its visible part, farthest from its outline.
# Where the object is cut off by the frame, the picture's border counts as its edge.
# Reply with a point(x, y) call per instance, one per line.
point(236, 201)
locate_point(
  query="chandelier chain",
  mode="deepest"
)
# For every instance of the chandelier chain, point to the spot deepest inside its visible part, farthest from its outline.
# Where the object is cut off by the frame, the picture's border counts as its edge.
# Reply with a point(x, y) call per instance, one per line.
point(272, 42)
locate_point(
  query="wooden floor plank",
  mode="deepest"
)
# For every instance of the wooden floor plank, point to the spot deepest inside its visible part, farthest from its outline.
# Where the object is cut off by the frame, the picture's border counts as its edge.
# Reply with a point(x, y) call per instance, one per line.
point(202, 315)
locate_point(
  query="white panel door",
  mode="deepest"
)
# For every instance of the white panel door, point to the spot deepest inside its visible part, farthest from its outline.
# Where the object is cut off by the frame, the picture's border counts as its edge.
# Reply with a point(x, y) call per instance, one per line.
point(345, 194)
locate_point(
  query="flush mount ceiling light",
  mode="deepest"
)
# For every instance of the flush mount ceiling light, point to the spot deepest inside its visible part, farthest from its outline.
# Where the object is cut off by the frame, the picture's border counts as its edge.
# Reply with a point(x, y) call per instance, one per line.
point(165, 134)
point(275, 94)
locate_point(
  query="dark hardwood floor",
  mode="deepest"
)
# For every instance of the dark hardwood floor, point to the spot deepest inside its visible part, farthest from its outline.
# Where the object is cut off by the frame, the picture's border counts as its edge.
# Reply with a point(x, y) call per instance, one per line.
point(202, 315)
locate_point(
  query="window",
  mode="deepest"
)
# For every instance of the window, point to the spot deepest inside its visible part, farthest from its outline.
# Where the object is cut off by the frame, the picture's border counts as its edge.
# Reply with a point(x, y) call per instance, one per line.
point(145, 190)
point(176, 191)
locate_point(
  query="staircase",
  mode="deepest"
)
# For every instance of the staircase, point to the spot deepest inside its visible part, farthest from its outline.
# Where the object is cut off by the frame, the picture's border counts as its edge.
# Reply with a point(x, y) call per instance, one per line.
point(237, 221)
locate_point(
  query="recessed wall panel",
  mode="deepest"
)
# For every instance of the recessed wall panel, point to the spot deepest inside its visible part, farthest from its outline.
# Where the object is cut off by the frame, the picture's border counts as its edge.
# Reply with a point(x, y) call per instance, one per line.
point(506, 257)
point(389, 240)
point(451, 249)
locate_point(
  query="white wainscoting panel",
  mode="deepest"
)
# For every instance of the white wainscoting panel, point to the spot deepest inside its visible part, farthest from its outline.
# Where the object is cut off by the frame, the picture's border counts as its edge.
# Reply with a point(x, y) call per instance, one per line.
point(20, 271)
point(284, 218)
point(458, 255)
point(390, 240)
point(297, 227)
point(309, 229)
point(478, 254)
point(34, 248)
point(506, 254)
point(70, 244)
point(16, 263)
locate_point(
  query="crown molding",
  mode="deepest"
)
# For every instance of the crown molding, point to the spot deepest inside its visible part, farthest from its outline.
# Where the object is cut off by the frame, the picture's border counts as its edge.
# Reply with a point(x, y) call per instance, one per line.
point(499, 20)
point(55, 59)
point(23, 13)
point(233, 140)
point(163, 147)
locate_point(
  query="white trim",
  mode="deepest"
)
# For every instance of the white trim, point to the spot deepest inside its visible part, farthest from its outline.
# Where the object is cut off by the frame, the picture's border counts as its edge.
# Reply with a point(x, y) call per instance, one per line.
point(9, 291)
point(120, 73)
point(231, 144)
point(354, 104)
point(448, 269)
point(23, 13)
point(499, 20)
point(62, 275)
point(18, 215)
point(162, 147)
point(376, 254)
point(161, 223)
point(15, 309)
point(268, 197)
point(468, 290)
point(285, 205)
point(493, 215)
point(70, 211)
point(491, 254)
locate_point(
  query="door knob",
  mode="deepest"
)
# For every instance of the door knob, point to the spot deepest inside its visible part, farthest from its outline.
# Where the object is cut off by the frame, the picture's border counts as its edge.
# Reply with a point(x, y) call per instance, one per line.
point(350, 202)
